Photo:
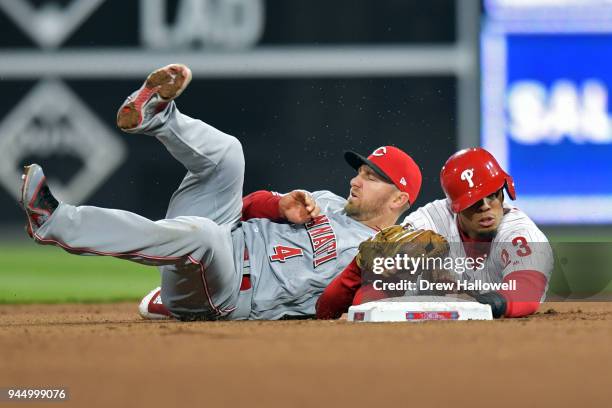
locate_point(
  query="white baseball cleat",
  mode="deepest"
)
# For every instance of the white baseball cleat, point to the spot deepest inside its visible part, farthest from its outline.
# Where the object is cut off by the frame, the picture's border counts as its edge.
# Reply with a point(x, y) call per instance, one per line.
point(152, 308)
point(160, 87)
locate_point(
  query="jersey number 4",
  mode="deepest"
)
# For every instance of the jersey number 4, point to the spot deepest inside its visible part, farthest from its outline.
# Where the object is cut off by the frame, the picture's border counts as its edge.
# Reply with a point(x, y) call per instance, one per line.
point(282, 253)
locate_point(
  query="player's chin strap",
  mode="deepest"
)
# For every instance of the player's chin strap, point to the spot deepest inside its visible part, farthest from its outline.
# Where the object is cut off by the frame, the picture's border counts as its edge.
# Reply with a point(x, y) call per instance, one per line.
point(494, 299)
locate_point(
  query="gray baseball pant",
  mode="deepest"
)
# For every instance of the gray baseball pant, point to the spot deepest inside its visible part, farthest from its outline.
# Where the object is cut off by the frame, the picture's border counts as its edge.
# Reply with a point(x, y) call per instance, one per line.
point(198, 247)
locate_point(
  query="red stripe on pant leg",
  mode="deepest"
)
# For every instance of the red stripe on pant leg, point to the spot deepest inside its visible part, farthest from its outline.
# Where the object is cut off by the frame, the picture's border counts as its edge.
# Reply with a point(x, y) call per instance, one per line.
point(115, 254)
point(119, 254)
point(205, 283)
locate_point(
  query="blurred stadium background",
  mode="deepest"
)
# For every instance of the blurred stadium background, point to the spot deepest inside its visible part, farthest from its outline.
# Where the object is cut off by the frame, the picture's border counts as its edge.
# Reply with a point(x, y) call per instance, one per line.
point(299, 82)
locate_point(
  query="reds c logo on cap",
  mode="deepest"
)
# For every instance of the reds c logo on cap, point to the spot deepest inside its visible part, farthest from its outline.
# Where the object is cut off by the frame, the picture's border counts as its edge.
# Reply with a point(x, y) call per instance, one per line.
point(393, 165)
point(381, 151)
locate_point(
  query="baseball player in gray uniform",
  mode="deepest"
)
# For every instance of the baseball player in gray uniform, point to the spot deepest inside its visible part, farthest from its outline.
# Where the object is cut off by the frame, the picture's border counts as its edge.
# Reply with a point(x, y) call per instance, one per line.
point(200, 246)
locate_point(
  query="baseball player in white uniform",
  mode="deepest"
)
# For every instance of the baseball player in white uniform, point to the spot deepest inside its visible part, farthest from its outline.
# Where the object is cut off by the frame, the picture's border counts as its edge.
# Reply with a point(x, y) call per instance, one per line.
point(201, 246)
point(477, 222)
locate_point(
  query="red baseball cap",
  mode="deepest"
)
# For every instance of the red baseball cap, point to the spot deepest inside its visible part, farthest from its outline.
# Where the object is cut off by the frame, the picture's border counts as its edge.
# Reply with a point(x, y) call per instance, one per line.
point(393, 165)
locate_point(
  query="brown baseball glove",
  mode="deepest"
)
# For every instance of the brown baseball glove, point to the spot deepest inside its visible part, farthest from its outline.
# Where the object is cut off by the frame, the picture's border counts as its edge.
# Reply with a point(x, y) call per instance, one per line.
point(397, 239)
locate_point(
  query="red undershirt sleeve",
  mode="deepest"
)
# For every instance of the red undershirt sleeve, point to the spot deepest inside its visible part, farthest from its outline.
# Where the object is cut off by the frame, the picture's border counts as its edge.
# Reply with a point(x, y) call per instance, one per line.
point(339, 294)
point(525, 300)
point(261, 204)
point(368, 293)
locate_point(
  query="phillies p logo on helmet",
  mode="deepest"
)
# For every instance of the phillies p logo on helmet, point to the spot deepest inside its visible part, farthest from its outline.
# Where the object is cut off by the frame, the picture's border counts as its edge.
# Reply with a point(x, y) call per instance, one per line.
point(467, 175)
point(467, 168)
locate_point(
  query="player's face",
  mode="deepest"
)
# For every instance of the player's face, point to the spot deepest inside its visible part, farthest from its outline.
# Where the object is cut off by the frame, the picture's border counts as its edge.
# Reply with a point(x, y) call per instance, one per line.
point(482, 219)
point(369, 196)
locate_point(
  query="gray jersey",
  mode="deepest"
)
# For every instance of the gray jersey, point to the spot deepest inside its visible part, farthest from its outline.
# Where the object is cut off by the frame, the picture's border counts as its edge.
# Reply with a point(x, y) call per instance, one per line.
point(292, 264)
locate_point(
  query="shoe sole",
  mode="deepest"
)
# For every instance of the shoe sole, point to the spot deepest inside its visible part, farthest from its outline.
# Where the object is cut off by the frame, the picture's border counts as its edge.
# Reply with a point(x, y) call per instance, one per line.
point(167, 82)
point(26, 177)
point(25, 204)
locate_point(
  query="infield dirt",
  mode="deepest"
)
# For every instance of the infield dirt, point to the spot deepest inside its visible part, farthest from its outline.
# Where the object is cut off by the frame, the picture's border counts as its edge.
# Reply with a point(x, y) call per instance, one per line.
point(106, 356)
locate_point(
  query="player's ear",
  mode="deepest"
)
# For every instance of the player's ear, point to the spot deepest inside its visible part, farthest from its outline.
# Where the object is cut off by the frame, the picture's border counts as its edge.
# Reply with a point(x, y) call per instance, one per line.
point(402, 200)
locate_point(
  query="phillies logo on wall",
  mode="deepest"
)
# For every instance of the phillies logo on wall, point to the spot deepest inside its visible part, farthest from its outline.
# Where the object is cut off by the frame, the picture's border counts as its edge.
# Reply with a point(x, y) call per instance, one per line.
point(49, 24)
point(467, 175)
point(232, 24)
point(381, 151)
point(52, 120)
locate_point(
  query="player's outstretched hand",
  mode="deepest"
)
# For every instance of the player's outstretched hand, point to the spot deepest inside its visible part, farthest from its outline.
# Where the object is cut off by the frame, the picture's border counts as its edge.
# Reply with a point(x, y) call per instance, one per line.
point(298, 207)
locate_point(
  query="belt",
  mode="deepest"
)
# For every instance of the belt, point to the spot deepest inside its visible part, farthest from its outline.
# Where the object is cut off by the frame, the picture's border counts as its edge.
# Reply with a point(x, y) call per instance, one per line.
point(246, 272)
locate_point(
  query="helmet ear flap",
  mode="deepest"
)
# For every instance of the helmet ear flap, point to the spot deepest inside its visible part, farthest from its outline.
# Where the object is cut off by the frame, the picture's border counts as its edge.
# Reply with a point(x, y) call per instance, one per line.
point(510, 187)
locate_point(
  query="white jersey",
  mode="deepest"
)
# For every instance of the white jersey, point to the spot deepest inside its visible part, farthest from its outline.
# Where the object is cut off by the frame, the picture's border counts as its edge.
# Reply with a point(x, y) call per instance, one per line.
point(518, 245)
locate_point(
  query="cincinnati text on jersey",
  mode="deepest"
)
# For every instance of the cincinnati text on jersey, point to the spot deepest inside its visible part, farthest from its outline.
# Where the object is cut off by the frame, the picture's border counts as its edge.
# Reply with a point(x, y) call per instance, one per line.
point(323, 240)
